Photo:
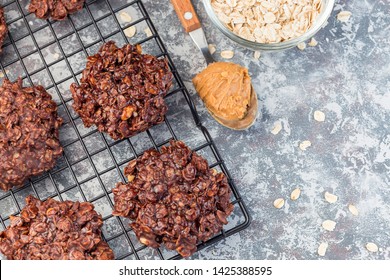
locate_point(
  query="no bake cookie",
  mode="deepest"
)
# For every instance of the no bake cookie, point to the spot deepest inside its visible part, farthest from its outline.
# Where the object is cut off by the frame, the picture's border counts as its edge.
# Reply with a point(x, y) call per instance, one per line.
point(173, 198)
point(29, 133)
point(122, 90)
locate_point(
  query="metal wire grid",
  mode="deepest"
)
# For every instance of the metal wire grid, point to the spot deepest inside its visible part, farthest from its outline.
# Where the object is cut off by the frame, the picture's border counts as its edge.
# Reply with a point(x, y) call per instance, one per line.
point(71, 179)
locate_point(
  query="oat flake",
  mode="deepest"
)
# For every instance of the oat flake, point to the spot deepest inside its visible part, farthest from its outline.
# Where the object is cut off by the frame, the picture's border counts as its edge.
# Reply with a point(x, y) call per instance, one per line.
point(322, 249)
point(372, 247)
point(329, 225)
point(279, 203)
point(295, 194)
point(212, 48)
point(227, 54)
point(313, 42)
point(148, 32)
point(304, 145)
point(344, 16)
point(130, 32)
point(352, 208)
point(319, 116)
point(301, 46)
point(269, 17)
point(331, 198)
point(125, 17)
point(256, 54)
point(277, 128)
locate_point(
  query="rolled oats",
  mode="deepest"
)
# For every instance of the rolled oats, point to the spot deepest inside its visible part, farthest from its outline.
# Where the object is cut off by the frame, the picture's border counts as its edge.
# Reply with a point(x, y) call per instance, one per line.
point(329, 225)
point(344, 16)
point(319, 116)
point(148, 32)
point(331, 198)
point(304, 145)
point(125, 17)
point(227, 54)
point(301, 46)
point(295, 194)
point(313, 42)
point(257, 55)
point(56, 56)
point(212, 48)
point(279, 203)
point(322, 249)
point(130, 32)
point(266, 21)
point(277, 128)
point(372, 247)
point(352, 208)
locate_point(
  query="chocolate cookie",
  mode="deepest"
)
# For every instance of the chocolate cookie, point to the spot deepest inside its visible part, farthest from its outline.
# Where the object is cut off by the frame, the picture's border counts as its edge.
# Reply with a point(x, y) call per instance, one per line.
point(55, 9)
point(29, 124)
point(122, 90)
point(3, 28)
point(53, 230)
point(174, 198)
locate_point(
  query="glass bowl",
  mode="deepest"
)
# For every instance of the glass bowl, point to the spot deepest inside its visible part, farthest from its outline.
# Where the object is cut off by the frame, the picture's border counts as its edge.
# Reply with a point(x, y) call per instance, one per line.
point(318, 24)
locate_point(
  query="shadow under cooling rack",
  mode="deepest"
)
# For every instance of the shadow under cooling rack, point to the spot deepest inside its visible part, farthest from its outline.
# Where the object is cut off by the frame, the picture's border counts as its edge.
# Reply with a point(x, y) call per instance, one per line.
point(53, 54)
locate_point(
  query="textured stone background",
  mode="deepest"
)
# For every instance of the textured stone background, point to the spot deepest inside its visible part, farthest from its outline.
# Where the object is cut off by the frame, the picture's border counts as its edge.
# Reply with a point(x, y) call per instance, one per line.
point(347, 76)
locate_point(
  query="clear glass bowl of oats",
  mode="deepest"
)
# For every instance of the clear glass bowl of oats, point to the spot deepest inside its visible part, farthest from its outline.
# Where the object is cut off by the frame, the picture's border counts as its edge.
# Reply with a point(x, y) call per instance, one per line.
point(269, 25)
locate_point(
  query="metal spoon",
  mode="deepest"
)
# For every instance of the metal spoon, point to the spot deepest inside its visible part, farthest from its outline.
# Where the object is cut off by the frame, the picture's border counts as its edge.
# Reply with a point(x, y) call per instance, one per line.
point(191, 23)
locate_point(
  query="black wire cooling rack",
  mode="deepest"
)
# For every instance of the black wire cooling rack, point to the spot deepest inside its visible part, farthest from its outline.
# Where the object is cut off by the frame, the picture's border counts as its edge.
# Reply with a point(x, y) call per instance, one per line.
point(53, 54)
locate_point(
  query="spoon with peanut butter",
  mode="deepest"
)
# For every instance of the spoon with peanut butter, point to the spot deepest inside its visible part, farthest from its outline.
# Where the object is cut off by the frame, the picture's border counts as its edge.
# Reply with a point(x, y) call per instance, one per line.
point(224, 87)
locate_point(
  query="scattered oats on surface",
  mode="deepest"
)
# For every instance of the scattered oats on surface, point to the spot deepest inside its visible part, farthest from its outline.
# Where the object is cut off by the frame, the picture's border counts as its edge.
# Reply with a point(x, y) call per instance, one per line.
point(212, 48)
point(352, 208)
point(329, 225)
point(268, 21)
point(344, 16)
point(125, 17)
point(256, 54)
point(279, 203)
point(313, 42)
point(56, 56)
point(277, 128)
point(130, 32)
point(227, 54)
point(301, 46)
point(322, 249)
point(372, 247)
point(319, 116)
point(304, 145)
point(148, 32)
point(2, 74)
point(331, 198)
point(295, 194)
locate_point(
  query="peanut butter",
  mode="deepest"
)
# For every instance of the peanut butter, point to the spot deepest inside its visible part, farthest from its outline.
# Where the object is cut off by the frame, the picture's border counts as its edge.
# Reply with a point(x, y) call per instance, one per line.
point(225, 88)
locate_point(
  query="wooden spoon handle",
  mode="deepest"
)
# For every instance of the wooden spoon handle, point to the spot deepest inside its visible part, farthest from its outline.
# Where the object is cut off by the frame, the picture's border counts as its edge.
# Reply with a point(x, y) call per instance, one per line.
point(187, 15)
